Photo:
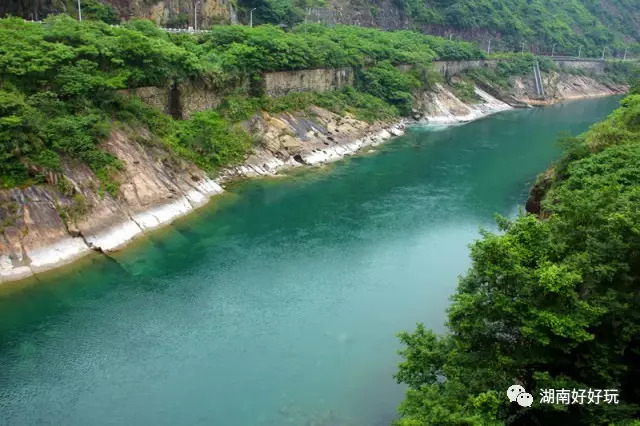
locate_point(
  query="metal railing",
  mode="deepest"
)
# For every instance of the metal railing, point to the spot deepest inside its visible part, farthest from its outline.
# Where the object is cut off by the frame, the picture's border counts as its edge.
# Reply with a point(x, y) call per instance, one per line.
point(538, 80)
point(185, 30)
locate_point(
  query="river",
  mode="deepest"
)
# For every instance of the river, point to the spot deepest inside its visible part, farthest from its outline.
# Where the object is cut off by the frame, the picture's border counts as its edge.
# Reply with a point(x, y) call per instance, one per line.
point(279, 302)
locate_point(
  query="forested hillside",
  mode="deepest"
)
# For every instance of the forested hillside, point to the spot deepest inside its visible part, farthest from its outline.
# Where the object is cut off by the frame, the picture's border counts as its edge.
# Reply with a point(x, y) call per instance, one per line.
point(590, 24)
point(571, 25)
point(549, 303)
point(59, 83)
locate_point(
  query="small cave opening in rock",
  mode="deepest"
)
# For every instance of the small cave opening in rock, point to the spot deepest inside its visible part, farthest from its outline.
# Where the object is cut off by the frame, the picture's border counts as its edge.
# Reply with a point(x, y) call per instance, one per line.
point(298, 158)
point(175, 106)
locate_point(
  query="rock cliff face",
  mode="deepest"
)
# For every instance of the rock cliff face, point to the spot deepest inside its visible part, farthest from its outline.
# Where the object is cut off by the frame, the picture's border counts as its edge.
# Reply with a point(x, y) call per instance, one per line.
point(538, 191)
point(561, 87)
point(441, 106)
point(172, 13)
point(176, 13)
point(558, 86)
point(46, 226)
point(315, 80)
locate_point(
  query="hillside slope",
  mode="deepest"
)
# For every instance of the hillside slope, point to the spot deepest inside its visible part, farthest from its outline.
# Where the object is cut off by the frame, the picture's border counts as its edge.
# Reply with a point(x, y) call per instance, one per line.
point(571, 24)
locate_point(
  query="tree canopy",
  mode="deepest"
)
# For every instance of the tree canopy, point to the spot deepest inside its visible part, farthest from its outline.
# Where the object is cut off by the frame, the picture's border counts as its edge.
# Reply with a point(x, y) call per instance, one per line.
point(569, 24)
point(59, 84)
point(548, 303)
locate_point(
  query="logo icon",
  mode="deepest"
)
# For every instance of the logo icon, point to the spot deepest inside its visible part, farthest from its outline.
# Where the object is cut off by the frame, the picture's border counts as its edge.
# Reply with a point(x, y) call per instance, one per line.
point(524, 399)
point(516, 393)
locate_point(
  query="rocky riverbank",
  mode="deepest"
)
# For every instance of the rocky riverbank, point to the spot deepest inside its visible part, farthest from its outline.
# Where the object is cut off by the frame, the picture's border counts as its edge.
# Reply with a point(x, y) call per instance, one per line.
point(560, 87)
point(47, 226)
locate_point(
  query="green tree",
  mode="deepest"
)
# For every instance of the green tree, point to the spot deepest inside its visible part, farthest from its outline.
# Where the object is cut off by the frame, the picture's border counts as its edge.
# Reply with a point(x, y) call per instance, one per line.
point(547, 304)
point(388, 83)
point(94, 9)
point(212, 141)
point(20, 137)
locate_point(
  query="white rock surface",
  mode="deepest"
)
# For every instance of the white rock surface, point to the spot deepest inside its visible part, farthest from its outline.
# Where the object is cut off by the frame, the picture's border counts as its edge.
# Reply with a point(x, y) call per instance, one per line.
point(114, 237)
point(445, 108)
point(60, 253)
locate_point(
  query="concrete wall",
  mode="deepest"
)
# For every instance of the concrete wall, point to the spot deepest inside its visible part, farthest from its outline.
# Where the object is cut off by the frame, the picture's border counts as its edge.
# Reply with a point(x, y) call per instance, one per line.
point(591, 66)
point(196, 96)
point(190, 97)
point(157, 97)
point(455, 67)
point(316, 80)
point(185, 99)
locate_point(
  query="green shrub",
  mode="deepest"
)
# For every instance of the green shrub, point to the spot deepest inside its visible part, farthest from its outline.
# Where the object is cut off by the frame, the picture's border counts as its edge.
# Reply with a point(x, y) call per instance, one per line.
point(390, 84)
point(426, 75)
point(238, 108)
point(94, 9)
point(362, 106)
point(209, 140)
point(465, 91)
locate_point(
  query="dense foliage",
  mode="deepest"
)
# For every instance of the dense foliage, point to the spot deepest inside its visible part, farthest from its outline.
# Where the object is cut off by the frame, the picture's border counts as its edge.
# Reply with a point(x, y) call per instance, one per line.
point(239, 49)
point(59, 83)
point(361, 105)
point(549, 303)
point(569, 24)
point(279, 12)
point(57, 90)
point(510, 66)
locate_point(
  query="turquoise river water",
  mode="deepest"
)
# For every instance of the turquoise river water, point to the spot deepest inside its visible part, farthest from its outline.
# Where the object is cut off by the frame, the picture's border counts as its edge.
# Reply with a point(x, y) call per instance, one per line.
point(277, 304)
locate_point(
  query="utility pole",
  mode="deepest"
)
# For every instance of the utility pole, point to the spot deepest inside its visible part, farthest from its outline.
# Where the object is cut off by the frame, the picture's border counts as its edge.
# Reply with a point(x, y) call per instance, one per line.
point(251, 17)
point(195, 15)
point(489, 48)
point(79, 11)
point(603, 50)
point(579, 51)
point(553, 50)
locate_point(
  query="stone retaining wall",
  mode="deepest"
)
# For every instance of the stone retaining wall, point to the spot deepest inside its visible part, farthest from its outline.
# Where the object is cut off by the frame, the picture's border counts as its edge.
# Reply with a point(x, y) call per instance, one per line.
point(591, 66)
point(316, 80)
point(183, 100)
point(456, 67)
